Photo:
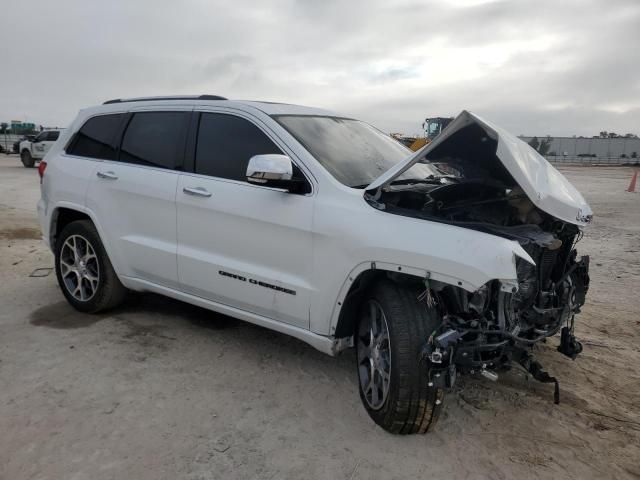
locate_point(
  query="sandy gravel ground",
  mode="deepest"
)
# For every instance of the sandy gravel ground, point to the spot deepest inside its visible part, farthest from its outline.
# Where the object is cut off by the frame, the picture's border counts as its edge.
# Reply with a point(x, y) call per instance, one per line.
point(161, 390)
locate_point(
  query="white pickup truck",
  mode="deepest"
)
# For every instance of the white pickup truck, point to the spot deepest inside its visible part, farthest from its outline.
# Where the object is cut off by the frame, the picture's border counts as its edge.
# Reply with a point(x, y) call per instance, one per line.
point(33, 151)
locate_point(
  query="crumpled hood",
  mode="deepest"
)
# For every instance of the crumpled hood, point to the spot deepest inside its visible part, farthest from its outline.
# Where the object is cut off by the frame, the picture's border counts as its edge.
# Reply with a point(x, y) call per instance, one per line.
point(545, 186)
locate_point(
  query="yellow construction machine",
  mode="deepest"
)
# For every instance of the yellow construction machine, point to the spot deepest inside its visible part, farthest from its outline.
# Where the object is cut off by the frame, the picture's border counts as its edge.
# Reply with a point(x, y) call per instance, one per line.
point(432, 128)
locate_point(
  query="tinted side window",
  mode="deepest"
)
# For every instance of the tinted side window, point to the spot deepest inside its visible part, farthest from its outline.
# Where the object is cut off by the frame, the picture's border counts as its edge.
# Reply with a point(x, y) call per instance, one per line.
point(226, 143)
point(53, 136)
point(156, 139)
point(97, 137)
point(41, 136)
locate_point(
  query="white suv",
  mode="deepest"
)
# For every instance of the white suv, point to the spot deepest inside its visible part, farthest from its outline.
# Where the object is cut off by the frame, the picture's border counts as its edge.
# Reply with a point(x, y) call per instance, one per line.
point(454, 259)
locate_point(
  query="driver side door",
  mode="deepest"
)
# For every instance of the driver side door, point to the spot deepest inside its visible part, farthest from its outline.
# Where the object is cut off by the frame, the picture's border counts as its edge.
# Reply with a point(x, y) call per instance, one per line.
point(38, 145)
point(52, 137)
point(43, 143)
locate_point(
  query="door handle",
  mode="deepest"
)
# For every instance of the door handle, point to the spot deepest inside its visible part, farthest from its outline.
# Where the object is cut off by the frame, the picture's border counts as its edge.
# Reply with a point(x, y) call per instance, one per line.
point(107, 175)
point(198, 191)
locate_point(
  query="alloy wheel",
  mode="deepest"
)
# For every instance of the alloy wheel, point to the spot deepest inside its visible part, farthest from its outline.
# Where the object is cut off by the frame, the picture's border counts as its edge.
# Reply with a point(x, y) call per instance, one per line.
point(374, 355)
point(79, 268)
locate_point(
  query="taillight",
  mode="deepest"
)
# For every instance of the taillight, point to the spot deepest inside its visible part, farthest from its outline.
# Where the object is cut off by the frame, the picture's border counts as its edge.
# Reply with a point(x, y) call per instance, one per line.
point(41, 168)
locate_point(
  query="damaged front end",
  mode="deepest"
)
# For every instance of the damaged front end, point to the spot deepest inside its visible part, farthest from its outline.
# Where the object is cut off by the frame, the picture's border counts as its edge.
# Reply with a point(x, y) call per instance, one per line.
point(477, 176)
point(489, 329)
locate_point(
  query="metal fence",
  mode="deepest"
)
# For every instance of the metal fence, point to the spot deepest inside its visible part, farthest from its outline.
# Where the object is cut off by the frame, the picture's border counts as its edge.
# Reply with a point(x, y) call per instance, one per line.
point(575, 160)
point(7, 140)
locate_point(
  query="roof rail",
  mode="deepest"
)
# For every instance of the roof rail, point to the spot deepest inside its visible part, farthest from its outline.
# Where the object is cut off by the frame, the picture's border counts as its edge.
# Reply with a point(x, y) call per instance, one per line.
point(149, 99)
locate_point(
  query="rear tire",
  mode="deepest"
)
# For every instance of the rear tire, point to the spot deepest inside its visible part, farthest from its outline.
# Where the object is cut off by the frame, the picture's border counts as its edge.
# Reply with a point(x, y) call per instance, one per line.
point(85, 274)
point(27, 160)
point(409, 405)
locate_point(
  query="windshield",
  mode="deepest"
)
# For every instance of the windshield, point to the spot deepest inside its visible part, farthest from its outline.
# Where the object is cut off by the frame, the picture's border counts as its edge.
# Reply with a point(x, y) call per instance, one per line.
point(354, 152)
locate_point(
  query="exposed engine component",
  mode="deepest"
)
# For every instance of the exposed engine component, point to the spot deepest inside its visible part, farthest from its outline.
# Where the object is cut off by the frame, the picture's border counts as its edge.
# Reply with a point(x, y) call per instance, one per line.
point(569, 346)
point(488, 329)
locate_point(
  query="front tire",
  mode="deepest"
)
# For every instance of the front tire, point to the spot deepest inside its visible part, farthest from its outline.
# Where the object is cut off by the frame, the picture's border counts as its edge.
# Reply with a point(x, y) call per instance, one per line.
point(394, 385)
point(85, 274)
point(27, 160)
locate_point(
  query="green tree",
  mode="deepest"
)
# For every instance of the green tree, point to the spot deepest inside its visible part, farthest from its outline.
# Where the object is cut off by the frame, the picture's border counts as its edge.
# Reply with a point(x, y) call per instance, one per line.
point(4, 127)
point(534, 143)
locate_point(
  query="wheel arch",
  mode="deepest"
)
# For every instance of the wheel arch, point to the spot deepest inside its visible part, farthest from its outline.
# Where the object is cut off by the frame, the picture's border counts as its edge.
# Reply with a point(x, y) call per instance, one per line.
point(65, 213)
point(355, 287)
point(63, 216)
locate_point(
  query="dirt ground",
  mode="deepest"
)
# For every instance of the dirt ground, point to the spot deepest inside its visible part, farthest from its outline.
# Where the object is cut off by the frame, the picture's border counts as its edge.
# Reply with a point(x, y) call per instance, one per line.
point(162, 390)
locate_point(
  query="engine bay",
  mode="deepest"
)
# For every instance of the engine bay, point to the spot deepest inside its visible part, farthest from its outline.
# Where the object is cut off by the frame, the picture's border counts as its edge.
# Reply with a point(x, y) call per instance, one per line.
point(488, 329)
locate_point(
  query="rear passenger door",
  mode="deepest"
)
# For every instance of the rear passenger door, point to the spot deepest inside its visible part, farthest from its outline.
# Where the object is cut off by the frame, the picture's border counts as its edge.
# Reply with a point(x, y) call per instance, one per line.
point(239, 244)
point(133, 195)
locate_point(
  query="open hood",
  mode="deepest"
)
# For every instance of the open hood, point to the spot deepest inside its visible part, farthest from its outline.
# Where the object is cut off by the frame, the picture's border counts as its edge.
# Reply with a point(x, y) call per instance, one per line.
point(545, 186)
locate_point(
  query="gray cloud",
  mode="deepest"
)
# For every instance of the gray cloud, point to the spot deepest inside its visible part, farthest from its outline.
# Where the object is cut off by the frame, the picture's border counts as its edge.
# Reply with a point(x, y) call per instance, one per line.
point(535, 67)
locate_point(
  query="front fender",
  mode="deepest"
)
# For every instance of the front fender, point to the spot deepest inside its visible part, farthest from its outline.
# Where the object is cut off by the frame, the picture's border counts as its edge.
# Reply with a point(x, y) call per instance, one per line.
point(508, 279)
point(450, 254)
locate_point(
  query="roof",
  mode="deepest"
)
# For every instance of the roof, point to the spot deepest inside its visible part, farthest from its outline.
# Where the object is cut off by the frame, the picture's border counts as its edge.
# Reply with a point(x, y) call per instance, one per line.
point(270, 108)
point(273, 108)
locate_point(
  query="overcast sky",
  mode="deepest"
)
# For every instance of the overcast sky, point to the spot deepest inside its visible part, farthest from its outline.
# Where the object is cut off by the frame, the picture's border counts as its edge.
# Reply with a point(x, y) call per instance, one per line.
point(534, 67)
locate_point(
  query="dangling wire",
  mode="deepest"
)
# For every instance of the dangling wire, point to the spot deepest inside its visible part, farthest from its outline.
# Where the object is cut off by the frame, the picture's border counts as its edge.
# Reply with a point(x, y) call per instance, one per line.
point(427, 296)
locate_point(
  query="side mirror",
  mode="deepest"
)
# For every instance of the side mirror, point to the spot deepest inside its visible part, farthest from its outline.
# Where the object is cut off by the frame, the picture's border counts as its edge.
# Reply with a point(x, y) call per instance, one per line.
point(270, 170)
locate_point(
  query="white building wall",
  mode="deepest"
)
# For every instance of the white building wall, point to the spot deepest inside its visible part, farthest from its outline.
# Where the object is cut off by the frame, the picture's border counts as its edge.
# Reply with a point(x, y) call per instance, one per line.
point(605, 149)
